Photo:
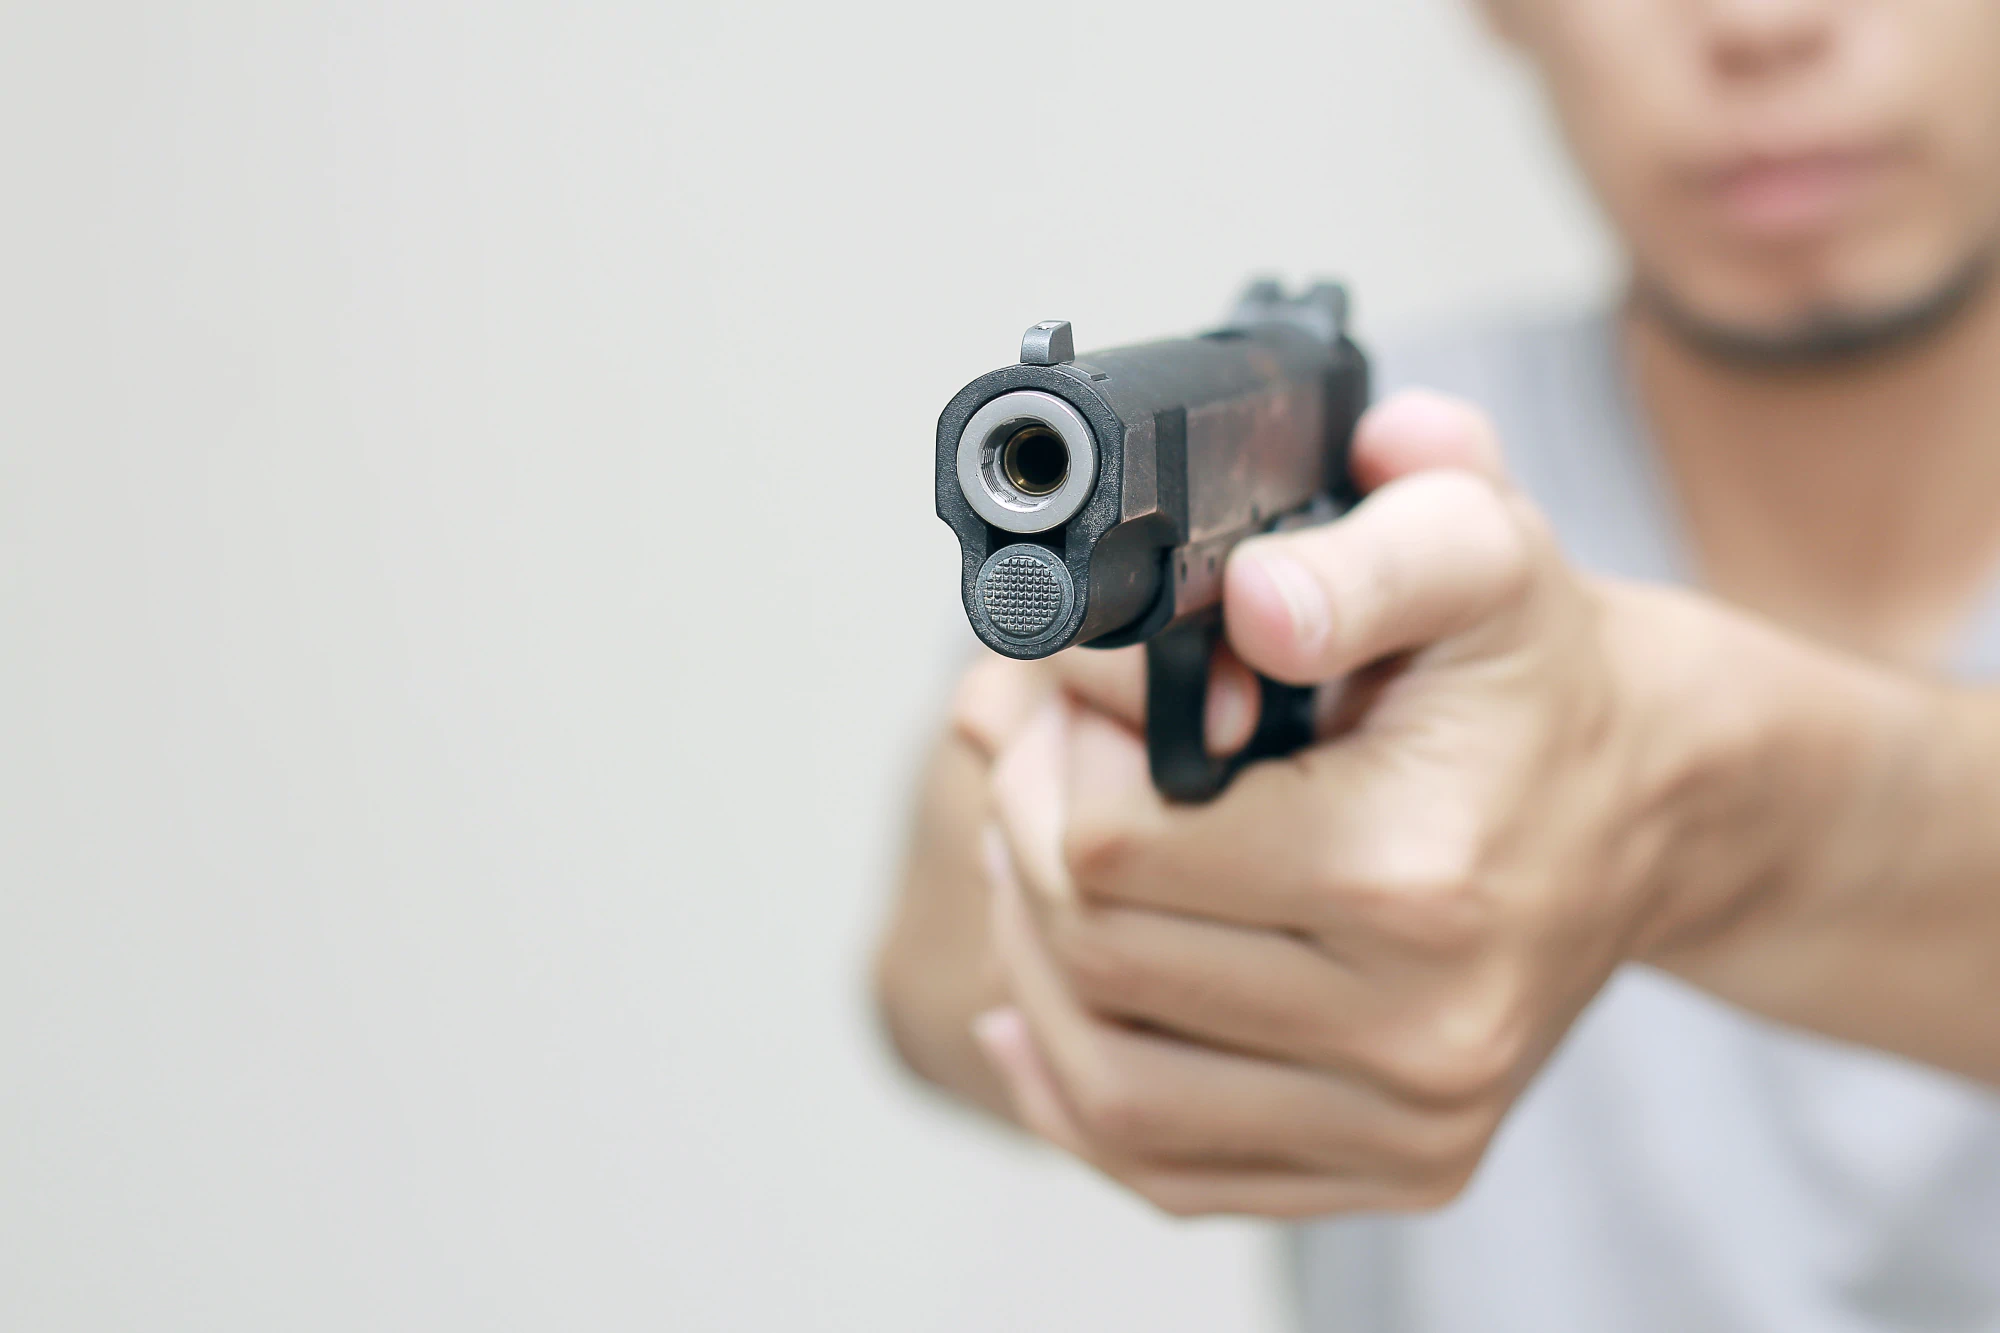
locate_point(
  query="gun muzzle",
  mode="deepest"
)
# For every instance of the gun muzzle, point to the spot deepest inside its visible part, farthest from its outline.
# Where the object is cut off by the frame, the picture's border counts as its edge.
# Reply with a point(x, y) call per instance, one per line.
point(1026, 462)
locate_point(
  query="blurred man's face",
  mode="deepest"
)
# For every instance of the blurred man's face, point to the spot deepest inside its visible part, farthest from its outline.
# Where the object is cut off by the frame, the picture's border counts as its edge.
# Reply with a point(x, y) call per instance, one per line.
point(1792, 177)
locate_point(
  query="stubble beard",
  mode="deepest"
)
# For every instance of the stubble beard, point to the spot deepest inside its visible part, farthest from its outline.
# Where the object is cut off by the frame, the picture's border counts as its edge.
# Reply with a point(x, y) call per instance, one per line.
point(1827, 335)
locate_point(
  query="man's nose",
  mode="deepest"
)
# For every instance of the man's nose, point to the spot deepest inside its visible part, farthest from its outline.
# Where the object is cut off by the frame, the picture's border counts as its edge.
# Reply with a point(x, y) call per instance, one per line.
point(1753, 38)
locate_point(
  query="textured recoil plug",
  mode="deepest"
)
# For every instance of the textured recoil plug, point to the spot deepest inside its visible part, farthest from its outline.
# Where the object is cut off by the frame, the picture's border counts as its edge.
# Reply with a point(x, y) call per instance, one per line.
point(1025, 591)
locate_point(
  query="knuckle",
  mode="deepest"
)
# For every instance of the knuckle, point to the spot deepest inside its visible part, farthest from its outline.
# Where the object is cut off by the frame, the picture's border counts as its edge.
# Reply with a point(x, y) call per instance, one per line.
point(1420, 882)
point(1439, 915)
point(1447, 1147)
point(1532, 528)
point(1442, 1189)
point(1094, 957)
point(1097, 853)
point(1491, 532)
point(1113, 1109)
point(1465, 1052)
point(1429, 910)
point(1173, 1198)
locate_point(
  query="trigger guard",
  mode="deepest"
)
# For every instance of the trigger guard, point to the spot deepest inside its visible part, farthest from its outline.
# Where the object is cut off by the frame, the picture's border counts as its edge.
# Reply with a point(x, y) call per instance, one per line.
point(1177, 667)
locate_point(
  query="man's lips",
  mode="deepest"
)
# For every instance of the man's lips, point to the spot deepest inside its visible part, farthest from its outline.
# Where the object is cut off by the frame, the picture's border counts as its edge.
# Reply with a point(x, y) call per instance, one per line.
point(1790, 195)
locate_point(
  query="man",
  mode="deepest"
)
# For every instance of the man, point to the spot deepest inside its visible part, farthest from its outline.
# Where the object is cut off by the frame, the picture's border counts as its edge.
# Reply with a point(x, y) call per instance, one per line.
point(1623, 957)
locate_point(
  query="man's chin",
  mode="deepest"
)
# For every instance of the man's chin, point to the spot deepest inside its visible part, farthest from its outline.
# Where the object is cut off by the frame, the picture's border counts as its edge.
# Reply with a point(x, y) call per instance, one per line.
point(1819, 335)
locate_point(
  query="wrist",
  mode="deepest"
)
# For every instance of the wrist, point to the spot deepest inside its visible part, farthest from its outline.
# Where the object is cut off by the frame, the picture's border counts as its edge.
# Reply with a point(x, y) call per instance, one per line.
point(1775, 765)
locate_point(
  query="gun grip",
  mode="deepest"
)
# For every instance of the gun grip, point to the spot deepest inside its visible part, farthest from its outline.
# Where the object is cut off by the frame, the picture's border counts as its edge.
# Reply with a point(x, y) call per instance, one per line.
point(1177, 663)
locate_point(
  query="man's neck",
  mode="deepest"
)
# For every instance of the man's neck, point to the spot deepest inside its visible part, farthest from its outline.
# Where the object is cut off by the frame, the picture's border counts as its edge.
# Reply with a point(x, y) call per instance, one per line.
point(1859, 500)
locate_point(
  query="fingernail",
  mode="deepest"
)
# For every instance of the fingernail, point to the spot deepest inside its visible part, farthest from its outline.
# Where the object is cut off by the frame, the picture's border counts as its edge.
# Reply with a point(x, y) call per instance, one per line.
point(1304, 601)
point(1230, 709)
point(996, 1028)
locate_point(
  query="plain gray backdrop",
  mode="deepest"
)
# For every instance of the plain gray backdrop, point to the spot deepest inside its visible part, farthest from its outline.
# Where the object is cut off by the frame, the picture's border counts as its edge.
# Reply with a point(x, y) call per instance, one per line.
point(470, 608)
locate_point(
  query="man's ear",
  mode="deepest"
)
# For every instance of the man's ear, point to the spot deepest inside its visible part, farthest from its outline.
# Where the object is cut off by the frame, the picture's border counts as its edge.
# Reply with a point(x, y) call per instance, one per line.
point(1502, 18)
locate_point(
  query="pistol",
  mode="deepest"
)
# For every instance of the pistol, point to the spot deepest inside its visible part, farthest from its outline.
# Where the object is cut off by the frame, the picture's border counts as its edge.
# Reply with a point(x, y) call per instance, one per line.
point(1096, 499)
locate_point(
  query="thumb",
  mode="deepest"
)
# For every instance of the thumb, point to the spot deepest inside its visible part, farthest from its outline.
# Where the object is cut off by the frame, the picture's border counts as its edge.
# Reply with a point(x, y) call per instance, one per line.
point(1441, 545)
point(1418, 429)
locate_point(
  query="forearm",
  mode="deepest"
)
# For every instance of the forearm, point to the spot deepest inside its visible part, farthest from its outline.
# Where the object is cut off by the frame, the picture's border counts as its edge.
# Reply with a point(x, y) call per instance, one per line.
point(934, 970)
point(1841, 871)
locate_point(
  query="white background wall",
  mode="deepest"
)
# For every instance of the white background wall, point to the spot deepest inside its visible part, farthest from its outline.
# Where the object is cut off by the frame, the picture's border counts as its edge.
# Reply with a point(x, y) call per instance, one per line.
point(469, 606)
